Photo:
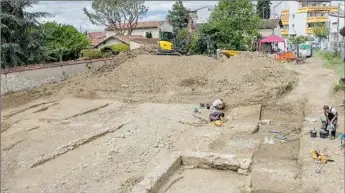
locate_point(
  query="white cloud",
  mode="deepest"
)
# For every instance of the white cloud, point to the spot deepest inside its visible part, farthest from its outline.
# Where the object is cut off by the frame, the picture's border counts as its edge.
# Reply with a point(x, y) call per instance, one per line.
point(71, 12)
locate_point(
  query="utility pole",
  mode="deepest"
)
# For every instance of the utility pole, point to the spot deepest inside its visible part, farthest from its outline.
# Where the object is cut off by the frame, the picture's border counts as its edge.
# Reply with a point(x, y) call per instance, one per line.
point(338, 21)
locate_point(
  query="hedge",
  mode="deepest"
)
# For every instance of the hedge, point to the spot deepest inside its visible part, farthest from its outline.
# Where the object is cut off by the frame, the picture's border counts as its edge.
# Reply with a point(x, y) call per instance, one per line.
point(91, 54)
point(120, 47)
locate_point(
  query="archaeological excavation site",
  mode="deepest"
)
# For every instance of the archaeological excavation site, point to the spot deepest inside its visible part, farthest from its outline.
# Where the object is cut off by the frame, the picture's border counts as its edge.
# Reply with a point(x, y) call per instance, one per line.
point(138, 124)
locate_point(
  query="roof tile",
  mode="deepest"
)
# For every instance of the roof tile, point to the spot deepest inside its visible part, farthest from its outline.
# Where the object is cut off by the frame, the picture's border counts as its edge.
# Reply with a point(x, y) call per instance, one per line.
point(96, 37)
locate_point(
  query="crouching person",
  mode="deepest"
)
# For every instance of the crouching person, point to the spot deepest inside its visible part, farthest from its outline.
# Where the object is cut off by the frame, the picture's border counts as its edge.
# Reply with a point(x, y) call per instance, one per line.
point(331, 115)
point(215, 116)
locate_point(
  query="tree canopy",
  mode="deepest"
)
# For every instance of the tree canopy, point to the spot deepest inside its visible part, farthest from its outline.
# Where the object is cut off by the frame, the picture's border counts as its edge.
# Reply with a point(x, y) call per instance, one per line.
point(178, 16)
point(119, 15)
point(263, 9)
point(232, 25)
point(321, 32)
point(64, 41)
point(22, 37)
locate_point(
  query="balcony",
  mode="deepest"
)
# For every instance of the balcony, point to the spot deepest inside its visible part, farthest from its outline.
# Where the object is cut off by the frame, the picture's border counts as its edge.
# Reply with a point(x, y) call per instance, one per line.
point(317, 19)
point(331, 9)
point(285, 22)
point(309, 30)
point(285, 11)
point(284, 31)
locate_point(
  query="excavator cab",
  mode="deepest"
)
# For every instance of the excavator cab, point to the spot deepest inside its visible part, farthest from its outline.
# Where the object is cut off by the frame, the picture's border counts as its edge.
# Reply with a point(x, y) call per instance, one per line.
point(165, 43)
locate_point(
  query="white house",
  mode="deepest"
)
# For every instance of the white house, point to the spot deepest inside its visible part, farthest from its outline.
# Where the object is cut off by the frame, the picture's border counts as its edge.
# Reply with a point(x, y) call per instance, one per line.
point(143, 27)
point(112, 40)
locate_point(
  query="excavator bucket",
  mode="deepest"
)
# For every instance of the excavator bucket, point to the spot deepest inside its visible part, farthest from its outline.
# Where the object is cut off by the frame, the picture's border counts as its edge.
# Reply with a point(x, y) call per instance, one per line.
point(229, 53)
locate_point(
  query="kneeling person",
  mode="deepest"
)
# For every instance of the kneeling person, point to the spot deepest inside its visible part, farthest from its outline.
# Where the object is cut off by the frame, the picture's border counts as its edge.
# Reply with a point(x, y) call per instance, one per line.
point(215, 116)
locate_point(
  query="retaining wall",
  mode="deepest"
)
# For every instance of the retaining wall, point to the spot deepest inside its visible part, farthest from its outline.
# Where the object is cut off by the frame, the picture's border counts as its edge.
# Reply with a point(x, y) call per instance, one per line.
point(28, 77)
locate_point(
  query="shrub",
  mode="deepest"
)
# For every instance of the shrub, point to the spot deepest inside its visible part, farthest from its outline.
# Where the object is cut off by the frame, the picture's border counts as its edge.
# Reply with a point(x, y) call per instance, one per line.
point(148, 35)
point(342, 31)
point(91, 54)
point(120, 48)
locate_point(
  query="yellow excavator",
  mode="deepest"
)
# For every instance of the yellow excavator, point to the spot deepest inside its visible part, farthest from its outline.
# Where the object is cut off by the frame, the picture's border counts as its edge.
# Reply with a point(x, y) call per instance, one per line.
point(166, 43)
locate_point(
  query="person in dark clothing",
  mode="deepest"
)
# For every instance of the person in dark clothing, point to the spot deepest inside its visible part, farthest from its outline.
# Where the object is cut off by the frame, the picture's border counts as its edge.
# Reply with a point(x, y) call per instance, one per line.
point(332, 120)
point(214, 116)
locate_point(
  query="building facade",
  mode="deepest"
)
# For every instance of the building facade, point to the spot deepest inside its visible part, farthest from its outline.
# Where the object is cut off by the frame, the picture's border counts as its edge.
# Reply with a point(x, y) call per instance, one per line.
point(299, 18)
point(144, 27)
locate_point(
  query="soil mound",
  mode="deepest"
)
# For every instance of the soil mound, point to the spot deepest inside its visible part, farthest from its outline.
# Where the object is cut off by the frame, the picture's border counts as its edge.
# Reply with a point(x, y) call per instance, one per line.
point(249, 78)
point(244, 79)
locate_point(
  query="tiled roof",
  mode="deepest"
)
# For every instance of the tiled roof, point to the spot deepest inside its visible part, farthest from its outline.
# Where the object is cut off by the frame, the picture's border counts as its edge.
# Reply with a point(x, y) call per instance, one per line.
point(123, 38)
point(126, 39)
point(96, 37)
point(143, 25)
point(269, 23)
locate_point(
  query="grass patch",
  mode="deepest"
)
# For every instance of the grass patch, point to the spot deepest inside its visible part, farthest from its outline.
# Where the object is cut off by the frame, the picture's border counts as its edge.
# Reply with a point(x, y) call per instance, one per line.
point(332, 60)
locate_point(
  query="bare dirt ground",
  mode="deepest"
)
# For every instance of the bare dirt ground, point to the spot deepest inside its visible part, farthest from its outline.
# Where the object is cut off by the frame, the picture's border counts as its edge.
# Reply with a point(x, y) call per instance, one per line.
point(103, 132)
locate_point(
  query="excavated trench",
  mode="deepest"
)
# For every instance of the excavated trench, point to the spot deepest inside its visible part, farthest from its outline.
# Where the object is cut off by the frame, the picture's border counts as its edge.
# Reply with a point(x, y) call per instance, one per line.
point(275, 166)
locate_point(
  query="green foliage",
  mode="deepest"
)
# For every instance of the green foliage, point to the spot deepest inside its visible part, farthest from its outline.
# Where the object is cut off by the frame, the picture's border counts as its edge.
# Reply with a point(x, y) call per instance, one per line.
point(91, 54)
point(22, 38)
point(197, 45)
point(299, 39)
point(120, 48)
point(118, 15)
point(114, 49)
point(342, 31)
point(64, 41)
point(263, 9)
point(233, 25)
point(148, 35)
point(332, 60)
point(178, 16)
point(320, 32)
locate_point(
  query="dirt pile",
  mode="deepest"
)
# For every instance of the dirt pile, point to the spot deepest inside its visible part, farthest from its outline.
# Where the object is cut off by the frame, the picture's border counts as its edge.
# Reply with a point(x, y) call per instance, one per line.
point(245, 79)
point(249, 78)
point(124, 56)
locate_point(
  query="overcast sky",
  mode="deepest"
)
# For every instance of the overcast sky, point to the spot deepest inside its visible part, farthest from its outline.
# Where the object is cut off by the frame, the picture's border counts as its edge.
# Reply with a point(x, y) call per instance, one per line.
point(71, 12)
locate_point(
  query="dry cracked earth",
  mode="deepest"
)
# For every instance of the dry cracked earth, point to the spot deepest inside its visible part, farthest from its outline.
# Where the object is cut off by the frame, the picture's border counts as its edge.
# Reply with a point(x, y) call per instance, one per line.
point(82, 145)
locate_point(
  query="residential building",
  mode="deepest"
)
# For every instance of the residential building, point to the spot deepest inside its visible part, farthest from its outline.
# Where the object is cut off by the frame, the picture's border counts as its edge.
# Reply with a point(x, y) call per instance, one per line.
point(270, 27)
point(120, 39)
point(96, 37)
point(199, 16)
point(143, 27)
point(299, 18)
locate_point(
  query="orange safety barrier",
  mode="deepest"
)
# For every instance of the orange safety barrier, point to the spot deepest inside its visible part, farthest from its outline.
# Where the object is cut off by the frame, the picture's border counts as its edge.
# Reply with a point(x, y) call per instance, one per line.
point(286, 56)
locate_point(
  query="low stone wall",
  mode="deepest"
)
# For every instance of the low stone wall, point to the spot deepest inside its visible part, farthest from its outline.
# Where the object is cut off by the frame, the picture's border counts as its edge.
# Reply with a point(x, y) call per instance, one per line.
point(28, 77)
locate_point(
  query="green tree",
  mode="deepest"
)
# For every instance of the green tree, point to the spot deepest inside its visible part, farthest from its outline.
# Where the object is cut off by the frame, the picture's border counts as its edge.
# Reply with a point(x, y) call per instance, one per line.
point(148, 35)
point(320, 32)
point(263, 9)
point(21, 35)
point(232, 25)
point(119, 15)
point(64, 41)
point(342, 31)
point(178, 16)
